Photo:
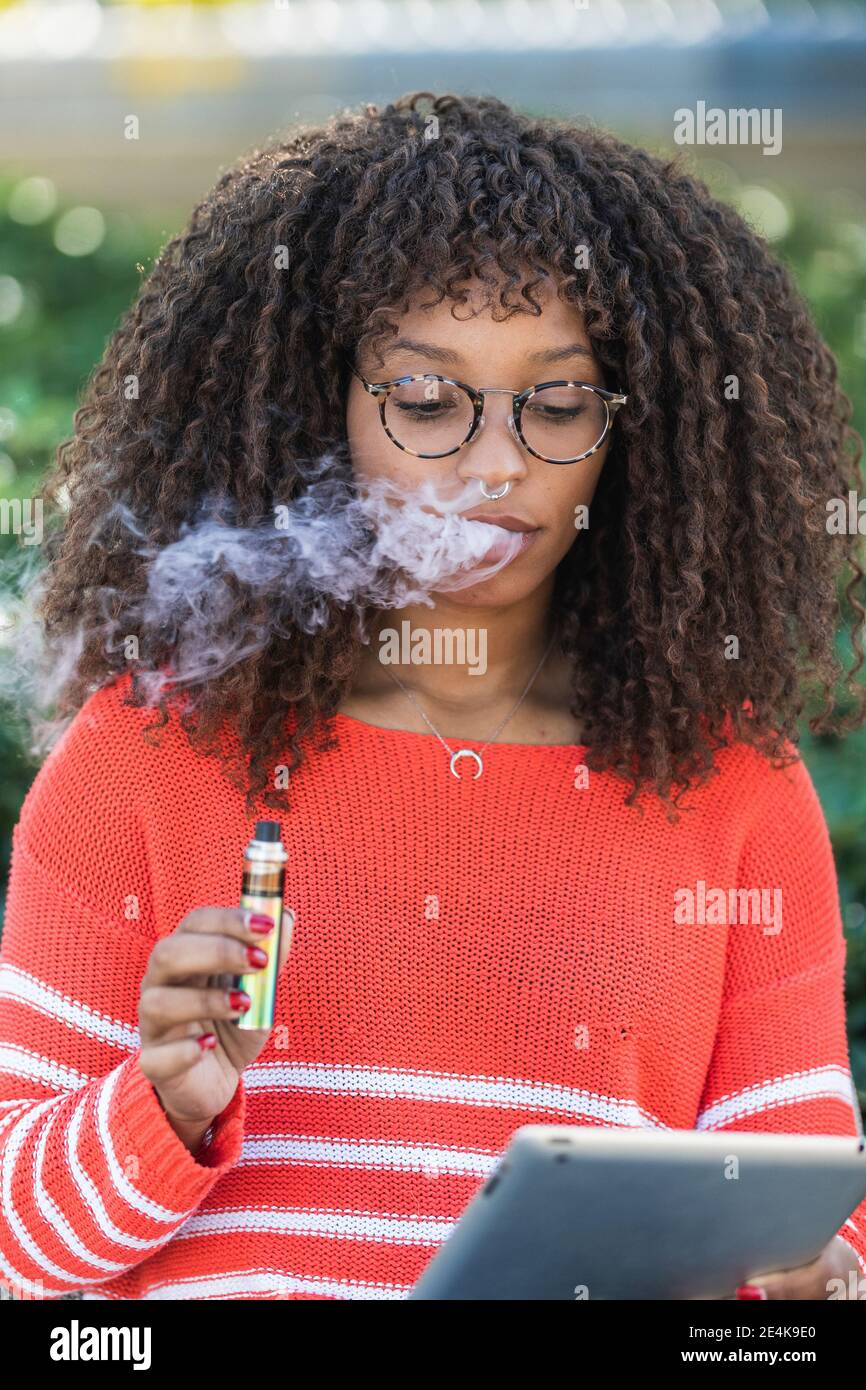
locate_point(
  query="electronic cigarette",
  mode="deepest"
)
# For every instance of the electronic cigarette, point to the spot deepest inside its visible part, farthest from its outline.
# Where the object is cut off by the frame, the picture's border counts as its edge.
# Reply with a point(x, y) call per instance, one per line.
point(262, 891)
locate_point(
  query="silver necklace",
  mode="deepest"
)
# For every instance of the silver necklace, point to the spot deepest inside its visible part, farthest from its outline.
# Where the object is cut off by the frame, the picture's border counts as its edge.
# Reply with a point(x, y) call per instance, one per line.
point(456, 755)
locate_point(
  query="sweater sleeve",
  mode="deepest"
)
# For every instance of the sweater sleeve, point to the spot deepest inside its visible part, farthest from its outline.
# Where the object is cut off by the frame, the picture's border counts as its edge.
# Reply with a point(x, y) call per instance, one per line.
point(780, 1062)
point(93, 1179)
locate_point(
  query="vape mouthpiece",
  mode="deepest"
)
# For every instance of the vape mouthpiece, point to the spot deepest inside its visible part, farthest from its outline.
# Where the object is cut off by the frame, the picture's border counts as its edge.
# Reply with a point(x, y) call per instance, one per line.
point(268, 830)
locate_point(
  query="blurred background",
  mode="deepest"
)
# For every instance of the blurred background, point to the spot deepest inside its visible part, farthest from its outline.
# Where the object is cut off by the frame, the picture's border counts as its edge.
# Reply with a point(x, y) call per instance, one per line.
point(116, 118)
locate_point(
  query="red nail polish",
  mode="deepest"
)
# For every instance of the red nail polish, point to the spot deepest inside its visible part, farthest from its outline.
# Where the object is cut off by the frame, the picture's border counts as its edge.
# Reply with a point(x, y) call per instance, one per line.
point(751, 1291)
point(239, 1000)
point(207, 1041)
point(261, 924)
point(256, 956)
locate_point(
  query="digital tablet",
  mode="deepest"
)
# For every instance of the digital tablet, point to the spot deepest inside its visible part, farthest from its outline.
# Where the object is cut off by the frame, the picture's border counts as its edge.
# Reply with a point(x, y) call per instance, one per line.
point(584, 1212)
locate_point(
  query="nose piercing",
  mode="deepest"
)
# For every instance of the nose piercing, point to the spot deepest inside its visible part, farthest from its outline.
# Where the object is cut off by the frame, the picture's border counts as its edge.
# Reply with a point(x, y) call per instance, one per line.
point(500, 492)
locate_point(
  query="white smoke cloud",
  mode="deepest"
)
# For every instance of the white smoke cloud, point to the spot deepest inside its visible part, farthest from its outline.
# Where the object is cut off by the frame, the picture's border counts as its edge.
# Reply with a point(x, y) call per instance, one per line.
point(375, 545)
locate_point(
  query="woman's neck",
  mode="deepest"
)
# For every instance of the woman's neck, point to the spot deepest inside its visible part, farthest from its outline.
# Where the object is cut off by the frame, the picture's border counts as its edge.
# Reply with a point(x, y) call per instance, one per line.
point(466, 668)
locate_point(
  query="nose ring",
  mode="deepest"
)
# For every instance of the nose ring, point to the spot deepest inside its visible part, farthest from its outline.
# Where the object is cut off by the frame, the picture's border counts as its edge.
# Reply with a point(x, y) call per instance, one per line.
point(500, 492)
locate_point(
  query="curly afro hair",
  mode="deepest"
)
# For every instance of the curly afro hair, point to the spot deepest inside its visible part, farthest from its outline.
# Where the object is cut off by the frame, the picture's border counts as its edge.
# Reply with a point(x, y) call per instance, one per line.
point(710, 514)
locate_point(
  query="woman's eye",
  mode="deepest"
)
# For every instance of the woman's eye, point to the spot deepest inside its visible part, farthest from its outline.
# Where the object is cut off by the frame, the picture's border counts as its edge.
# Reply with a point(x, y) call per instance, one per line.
point(558, 415)
point(419, 409)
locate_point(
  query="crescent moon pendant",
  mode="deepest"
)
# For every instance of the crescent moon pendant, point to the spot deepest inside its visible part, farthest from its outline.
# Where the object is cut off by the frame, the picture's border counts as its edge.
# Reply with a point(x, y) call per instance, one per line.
point(466, 753)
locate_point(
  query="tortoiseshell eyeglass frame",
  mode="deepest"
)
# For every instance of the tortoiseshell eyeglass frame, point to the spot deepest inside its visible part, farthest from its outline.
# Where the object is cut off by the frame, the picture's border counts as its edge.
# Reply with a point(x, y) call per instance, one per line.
point(380, 390)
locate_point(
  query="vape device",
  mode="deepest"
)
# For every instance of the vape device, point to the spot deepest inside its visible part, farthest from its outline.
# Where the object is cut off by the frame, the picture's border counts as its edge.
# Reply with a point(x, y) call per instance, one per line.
point(262, 891)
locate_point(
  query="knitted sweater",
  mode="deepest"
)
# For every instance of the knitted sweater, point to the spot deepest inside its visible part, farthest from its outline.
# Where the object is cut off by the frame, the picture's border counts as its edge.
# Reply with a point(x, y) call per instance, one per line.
point(469, 956)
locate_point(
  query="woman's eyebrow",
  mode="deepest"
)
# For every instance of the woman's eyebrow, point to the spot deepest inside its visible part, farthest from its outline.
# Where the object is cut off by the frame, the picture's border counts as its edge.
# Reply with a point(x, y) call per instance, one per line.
point(558, 354)
point(444, 354)
point(421, 349)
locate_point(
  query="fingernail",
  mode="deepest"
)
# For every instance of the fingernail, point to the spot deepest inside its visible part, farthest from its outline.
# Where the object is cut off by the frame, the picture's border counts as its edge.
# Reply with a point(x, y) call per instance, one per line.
point(751, 1291)
point(256, 956)
point(260, 924)
point(239, 1000)
point(206, 1041)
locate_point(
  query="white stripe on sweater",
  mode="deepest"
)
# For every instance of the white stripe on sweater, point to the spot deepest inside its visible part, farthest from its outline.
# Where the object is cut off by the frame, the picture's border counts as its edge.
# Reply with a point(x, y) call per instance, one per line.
point(819, 1083)
point(364, 1153)
point(14, 1142)
point(382, 1227)
point(56, 1218)
point(124, 1188)
point(19, 1062)
point(447, 1087)
point(18, 1107)
point(267, 1284)
point(28, 989)
point(89, 1193)
point(30, 1064)
point(387, 1083)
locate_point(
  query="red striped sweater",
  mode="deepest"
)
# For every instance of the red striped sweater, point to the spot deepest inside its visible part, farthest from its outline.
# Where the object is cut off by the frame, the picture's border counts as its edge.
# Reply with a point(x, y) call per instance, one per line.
point(468, 957)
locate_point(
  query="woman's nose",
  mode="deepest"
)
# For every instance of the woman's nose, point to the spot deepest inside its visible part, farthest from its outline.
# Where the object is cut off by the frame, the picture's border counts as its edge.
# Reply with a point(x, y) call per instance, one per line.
point(488, 457)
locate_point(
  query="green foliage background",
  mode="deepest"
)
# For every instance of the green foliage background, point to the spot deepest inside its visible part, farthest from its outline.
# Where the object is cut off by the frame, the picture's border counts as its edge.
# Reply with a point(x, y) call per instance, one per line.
point(72, 303)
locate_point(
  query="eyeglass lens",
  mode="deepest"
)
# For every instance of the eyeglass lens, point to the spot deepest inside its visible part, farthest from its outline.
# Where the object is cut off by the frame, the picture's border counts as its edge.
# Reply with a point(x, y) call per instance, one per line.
point(432, 417)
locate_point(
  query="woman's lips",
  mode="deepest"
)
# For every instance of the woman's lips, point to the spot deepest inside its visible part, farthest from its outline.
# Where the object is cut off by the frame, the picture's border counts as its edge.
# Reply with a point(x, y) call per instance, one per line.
point(503, 542)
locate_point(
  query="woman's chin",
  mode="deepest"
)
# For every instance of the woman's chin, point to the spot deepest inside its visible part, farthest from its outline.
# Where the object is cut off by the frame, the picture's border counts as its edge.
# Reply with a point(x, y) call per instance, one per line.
point(499, 591)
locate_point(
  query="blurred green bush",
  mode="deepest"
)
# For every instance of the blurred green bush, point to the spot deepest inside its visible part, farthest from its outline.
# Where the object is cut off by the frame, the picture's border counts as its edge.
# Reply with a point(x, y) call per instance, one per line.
point(67, 275)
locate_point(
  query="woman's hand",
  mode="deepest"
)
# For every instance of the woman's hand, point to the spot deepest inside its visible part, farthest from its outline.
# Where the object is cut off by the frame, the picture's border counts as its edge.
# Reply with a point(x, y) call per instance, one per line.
point(187, 996)
point(836, 1261)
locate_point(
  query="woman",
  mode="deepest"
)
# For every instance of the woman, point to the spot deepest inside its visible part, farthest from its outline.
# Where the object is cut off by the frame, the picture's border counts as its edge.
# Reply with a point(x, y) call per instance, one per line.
point(501, 884)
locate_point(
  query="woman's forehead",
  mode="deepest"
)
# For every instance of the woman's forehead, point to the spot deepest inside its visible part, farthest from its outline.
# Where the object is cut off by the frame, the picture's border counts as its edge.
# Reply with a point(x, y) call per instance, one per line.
point(452, 328)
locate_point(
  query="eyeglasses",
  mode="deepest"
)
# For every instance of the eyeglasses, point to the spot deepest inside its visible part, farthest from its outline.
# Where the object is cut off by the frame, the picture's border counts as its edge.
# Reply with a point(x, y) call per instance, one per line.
point(432, 416)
